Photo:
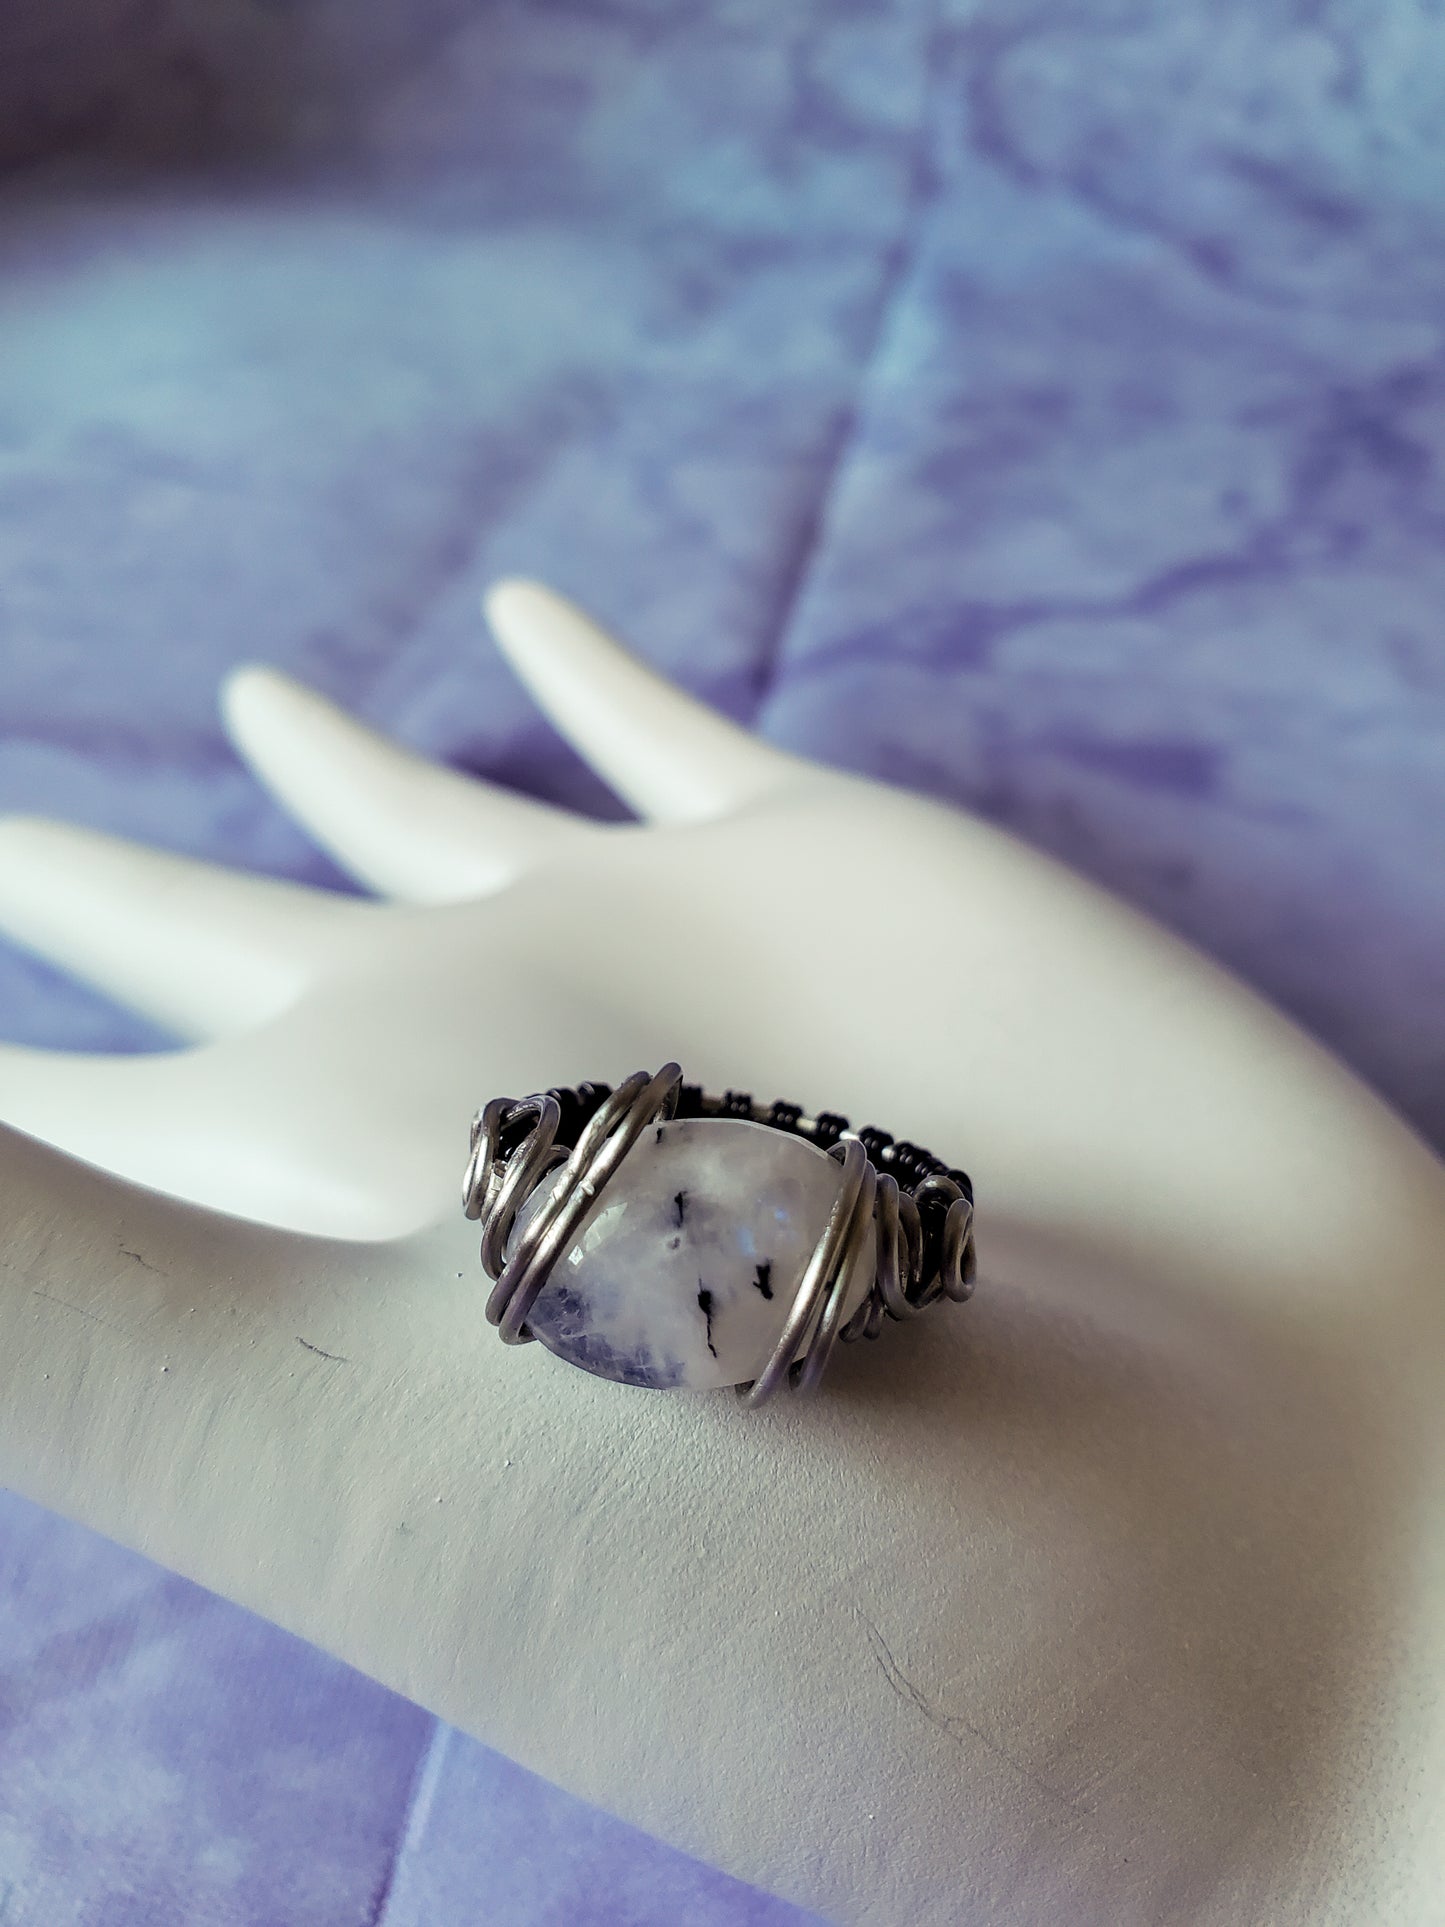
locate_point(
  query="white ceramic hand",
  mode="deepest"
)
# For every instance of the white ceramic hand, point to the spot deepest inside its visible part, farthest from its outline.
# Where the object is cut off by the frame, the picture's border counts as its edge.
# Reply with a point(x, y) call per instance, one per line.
point(1111, 1594)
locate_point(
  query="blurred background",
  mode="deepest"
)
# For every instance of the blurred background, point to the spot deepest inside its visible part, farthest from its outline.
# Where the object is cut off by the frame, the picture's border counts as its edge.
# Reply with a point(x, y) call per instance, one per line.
point(1039, 403)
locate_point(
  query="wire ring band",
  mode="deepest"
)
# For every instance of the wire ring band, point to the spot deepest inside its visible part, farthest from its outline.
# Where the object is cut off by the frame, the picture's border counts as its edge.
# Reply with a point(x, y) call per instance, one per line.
point(567, 1144)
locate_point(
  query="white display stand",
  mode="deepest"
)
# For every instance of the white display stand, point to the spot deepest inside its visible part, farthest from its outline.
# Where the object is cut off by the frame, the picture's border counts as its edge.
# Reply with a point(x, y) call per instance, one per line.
point(1116, 1596)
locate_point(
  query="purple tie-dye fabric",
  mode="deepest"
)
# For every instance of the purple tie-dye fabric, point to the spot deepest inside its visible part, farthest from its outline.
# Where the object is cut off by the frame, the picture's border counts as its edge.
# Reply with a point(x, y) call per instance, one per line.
point(1038, 406)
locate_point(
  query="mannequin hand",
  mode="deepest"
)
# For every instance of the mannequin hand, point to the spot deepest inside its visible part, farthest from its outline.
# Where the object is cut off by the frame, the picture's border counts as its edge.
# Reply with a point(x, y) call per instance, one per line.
point(1056, 1597)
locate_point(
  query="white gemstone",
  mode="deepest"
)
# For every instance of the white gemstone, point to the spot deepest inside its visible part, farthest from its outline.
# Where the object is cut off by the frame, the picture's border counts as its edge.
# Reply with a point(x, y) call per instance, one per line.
point(682, 1274)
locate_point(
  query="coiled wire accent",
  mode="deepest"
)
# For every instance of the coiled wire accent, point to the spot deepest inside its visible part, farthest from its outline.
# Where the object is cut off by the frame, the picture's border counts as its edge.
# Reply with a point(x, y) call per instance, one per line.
point(569, 1143)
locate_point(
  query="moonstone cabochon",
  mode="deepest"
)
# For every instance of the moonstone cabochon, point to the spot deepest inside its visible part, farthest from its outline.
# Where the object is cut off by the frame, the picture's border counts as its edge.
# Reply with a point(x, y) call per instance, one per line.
point(682, 1274)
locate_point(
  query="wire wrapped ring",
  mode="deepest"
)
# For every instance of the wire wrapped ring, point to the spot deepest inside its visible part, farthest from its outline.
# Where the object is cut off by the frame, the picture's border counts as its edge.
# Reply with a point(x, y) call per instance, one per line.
point(897, 1232)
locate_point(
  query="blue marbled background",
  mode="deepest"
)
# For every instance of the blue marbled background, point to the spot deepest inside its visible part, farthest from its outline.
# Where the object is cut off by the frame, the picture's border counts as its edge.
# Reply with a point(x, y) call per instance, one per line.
point(1041, 404)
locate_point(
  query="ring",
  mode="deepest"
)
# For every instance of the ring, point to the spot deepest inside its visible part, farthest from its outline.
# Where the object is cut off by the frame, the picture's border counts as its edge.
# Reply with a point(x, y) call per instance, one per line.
point(659, 1236)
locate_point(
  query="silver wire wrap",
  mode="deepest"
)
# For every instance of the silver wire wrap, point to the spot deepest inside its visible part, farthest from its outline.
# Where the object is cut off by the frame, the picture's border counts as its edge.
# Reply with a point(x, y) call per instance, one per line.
point(498, 1183)
point(495, 1191)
